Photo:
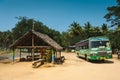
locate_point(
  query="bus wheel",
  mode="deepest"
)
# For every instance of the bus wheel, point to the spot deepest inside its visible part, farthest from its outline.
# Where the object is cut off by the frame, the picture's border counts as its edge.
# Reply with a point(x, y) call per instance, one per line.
point(86, 58)
point(118, 56)
point(77, 55)
point(102, 60)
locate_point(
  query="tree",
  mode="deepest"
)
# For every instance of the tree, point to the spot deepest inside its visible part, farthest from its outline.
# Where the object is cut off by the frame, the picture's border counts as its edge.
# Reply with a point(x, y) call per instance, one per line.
point(22, 27)
point(96, 31)
point(113, 14)
point(104, 29)
point(75, 33)
point(6, 39)
point(75, 29)
point(114, 39)
point(88, 28)
point(25, 24)
point(65, 39)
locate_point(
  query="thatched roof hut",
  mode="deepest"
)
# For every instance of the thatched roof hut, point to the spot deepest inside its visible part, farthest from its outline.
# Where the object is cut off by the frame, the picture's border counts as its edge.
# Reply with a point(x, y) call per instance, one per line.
point(39, 40)
point(33, 40)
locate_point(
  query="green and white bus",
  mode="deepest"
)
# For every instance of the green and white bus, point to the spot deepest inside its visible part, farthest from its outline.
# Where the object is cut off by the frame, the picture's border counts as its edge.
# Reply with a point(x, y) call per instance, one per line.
point(94, 48)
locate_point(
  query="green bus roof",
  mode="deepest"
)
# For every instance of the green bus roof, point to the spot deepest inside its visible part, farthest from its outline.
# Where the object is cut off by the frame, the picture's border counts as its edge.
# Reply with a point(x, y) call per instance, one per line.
point(100, 38)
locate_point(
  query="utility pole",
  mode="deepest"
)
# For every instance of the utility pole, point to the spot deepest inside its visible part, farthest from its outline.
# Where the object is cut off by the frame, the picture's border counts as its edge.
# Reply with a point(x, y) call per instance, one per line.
point(33, 26)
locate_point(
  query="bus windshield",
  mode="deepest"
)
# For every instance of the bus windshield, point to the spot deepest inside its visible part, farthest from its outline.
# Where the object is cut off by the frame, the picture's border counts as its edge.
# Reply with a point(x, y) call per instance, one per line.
point(96, 44)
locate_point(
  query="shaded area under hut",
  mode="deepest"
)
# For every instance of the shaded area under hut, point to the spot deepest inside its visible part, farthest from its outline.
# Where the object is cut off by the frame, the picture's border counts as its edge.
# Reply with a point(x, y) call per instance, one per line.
point(39, 46)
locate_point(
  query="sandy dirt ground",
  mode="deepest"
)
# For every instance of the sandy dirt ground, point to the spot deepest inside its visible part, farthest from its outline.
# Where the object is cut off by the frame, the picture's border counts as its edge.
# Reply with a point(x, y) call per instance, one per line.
point(73, 68)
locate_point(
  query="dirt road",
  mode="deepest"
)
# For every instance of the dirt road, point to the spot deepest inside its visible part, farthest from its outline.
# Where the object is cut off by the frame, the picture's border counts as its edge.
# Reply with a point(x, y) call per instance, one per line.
point(72, 69)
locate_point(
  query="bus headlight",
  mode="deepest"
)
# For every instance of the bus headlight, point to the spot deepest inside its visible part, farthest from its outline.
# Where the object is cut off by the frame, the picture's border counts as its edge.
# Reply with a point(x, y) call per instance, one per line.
point(109, 52)
point(93, 53)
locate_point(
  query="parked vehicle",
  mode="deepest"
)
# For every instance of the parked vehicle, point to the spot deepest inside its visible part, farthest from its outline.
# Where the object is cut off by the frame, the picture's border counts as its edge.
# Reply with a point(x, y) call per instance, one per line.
point(94, 48)
point(118, 54)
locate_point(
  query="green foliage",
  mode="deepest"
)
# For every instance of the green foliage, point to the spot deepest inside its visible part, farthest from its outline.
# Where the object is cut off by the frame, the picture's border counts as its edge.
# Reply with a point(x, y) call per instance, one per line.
point(115, 39)
point(26, 24)
point(75, 29)
point(65, 39)
point(88, 30)
point(74, 34)
point(21, 27)
point(6, 39)
point(113, 14)
point(77, 32)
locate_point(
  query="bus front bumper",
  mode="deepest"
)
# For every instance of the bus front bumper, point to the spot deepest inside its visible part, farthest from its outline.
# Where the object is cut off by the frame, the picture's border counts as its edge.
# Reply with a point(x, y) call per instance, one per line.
point(100, 57)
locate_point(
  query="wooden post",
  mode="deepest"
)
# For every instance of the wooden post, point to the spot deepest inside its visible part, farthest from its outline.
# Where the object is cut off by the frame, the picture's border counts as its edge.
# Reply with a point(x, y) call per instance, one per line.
point(53, 56)
point(33, 42)
point(33, 26)
point(13, 55)
point(56, 54)
point(20, 54)
point(32, 47)
point(60, 55)
point(31, 52)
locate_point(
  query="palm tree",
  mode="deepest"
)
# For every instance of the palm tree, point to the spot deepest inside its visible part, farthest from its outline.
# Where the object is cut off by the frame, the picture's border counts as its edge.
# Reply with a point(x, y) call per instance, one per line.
point(75, 29)
point(104, 29)
point(88, 28)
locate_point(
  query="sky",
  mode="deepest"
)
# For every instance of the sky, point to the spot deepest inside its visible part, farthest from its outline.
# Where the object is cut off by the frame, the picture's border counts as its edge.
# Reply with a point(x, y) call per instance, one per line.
point(56, 14)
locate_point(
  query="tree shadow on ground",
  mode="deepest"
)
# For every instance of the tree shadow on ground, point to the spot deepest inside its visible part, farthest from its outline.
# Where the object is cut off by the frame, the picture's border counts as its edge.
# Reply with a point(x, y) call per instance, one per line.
point(102, 62)
point(98, 61)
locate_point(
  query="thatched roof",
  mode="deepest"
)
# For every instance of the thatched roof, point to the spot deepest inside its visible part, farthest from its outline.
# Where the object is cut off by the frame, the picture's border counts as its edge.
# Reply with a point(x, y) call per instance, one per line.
point(39, 40)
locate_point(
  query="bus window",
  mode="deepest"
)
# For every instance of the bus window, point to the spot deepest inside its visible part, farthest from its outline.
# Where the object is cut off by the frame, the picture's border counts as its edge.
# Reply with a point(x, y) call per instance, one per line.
point(87, 47)
point(95, 44)
point(77, 48)
point(108, 44)
point(80, 47)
